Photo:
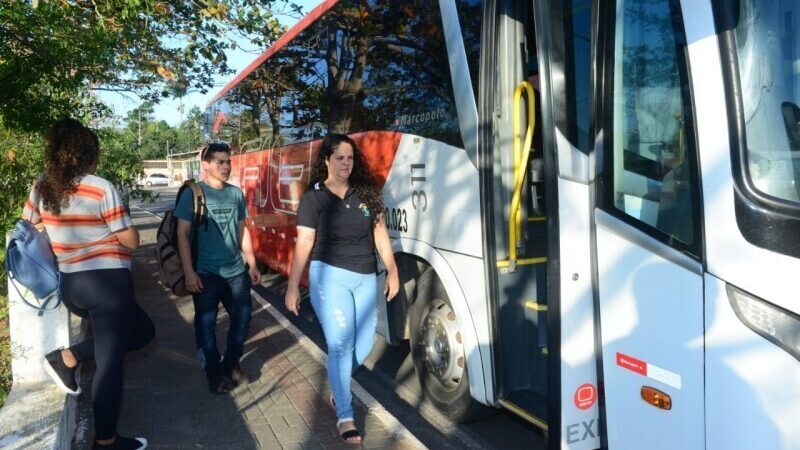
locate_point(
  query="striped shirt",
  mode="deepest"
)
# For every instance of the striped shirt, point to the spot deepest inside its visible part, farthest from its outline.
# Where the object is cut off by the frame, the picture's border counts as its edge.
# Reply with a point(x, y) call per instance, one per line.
point(82, 236)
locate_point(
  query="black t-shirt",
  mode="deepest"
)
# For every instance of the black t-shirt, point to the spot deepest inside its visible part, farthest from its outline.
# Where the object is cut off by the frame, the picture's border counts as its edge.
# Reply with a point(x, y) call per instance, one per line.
point(343, 228)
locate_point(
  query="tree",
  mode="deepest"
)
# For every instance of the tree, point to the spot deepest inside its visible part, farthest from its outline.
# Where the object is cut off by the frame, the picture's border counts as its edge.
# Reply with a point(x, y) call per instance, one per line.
point(54, 54)
point(121, 164)
point(21, 163)
point(190, 134)
point(152, 139)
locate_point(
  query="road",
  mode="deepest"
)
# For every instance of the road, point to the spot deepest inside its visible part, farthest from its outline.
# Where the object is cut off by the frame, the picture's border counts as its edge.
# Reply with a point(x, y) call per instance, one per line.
point(388, 375)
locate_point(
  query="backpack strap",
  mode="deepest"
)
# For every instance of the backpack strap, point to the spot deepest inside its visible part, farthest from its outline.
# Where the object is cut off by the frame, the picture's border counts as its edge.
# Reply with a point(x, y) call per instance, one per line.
point(41, 307)
point(199, 211)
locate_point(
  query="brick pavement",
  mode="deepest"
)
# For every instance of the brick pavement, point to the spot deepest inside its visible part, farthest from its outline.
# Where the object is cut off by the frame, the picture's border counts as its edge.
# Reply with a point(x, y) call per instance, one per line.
point(167, 401)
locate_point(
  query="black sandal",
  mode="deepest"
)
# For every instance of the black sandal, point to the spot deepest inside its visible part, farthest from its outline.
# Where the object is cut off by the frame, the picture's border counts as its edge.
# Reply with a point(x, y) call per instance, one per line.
point(350, 434)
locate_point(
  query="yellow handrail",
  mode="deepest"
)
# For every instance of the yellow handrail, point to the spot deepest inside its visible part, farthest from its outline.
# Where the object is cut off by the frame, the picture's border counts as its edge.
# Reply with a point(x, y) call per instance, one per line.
point(521, 156)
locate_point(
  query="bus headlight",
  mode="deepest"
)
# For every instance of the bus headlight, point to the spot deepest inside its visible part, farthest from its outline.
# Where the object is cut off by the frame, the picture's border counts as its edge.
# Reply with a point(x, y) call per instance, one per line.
point(777, 325)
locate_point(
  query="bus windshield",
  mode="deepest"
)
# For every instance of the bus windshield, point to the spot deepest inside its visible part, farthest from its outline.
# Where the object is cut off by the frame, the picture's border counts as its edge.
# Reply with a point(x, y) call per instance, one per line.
point(768, 51)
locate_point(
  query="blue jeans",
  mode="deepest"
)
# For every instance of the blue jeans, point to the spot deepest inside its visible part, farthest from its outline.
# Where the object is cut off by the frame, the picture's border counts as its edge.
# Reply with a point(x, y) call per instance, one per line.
point(344, 302)
point(234, 292)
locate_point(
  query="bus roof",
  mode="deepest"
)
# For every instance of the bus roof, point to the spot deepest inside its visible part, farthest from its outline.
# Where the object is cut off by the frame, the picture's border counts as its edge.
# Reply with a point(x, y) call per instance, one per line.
point(310, 18)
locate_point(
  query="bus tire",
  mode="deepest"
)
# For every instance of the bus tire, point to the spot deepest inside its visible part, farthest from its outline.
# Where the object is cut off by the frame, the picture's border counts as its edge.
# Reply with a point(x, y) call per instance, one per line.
point(437, 351)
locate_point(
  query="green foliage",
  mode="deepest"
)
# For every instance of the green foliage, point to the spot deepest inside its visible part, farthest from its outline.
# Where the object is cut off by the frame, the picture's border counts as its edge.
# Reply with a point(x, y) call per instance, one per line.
point(156, 139)
point(21, 156)
point(121, 164)
point(190, 134)
point(5, 339)
point(54, 54)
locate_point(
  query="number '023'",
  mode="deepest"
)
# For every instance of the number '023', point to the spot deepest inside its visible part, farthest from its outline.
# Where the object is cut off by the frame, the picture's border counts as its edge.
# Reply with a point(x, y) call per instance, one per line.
point(397, 219)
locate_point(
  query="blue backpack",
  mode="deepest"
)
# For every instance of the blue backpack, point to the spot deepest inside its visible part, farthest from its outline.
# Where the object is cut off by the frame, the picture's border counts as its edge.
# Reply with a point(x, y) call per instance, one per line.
point(30, 262)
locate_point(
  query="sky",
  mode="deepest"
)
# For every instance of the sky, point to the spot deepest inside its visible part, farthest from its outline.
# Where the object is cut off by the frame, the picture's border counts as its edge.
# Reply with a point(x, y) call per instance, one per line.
point(169, 109)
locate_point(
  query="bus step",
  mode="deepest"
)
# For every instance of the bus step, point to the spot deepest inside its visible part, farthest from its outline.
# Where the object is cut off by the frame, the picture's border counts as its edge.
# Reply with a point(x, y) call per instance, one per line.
point(524, 414)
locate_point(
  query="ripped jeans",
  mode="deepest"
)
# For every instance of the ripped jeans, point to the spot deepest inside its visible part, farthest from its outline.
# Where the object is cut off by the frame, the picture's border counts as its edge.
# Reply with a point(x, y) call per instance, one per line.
point(344, 302)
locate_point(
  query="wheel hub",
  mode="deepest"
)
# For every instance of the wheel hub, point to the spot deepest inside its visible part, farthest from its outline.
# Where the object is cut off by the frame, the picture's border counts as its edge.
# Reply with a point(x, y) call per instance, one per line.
point(440, 347)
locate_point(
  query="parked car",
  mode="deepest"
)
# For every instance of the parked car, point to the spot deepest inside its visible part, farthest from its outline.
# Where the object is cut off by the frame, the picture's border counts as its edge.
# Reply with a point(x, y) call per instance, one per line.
point(156, 179)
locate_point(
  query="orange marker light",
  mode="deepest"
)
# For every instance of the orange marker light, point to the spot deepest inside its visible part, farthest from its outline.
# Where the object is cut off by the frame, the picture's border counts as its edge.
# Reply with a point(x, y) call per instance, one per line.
point(656, 398)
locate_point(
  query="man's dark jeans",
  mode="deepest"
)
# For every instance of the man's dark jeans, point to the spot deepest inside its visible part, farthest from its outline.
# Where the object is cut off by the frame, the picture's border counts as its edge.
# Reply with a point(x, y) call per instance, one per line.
point(234, 292)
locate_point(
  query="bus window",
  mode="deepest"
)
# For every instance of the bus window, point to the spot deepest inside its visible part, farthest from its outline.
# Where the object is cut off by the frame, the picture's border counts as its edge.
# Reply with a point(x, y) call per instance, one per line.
point(767, 51)
point(651, 173)
point(470, 14)
point(760, 45)
point(577, 74)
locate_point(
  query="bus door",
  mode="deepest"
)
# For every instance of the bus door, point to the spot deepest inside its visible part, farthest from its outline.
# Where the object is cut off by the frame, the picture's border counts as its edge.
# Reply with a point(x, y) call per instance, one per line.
point(546, 367)
point(648, 241)
point(519, 219)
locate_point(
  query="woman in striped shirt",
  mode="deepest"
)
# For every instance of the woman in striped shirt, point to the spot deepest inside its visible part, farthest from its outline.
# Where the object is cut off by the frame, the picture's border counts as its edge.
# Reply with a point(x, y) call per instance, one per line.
point(92, 236)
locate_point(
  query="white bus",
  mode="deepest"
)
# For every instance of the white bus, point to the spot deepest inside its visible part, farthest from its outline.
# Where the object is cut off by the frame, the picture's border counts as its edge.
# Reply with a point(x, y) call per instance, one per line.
point(616, 264)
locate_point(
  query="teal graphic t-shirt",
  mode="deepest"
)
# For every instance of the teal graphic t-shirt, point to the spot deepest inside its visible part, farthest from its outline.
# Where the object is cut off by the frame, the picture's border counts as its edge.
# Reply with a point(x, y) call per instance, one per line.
point(217, 249)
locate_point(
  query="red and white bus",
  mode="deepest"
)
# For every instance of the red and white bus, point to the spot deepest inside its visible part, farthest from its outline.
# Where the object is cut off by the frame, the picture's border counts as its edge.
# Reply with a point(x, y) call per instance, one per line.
point(617, 264)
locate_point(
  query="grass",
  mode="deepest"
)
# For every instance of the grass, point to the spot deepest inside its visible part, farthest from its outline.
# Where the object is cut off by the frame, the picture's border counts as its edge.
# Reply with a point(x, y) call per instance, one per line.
point(5, 351)
point(5, 336)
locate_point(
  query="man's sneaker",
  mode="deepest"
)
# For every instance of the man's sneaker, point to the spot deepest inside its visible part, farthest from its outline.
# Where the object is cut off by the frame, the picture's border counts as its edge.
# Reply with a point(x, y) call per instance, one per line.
point(237, 375)
point(123, 443)
point(217, 384)
point(63, 376)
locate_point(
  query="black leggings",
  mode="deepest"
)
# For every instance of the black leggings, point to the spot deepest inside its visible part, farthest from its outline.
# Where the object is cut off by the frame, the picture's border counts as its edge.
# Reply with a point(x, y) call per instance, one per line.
point(119, 325)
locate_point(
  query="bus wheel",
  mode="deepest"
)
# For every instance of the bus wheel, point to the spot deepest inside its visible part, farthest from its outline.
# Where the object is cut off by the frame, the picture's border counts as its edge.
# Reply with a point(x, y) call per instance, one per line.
point(438, 352)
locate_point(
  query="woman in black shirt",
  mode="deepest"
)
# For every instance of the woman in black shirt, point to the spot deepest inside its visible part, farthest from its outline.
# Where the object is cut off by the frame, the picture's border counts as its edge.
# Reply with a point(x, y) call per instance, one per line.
point(340, 226)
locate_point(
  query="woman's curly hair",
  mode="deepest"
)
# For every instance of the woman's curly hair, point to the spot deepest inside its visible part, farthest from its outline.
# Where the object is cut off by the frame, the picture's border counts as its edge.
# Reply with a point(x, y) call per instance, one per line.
point(361, 179)
point(72, 150)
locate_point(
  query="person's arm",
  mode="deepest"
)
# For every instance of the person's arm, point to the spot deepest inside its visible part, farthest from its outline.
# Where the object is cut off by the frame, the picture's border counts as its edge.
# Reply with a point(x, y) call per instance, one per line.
point(35, 221)
point(115, 214)
point(190, 277)
point(246, 247)
point(128, 237)
point(31, 211)
point(302, 251)
point(384, 247)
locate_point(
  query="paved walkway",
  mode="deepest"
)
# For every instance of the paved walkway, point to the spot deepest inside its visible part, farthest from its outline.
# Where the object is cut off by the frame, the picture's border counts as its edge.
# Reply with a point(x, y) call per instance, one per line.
point(167, 401)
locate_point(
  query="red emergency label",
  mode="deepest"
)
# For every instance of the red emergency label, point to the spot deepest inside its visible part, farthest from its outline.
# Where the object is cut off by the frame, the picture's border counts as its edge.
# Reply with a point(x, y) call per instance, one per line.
point(632, 364)
point(585, 396)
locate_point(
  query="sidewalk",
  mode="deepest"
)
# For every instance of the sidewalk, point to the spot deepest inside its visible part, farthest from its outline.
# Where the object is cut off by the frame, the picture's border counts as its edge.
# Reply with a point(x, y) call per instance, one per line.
point(166, 398)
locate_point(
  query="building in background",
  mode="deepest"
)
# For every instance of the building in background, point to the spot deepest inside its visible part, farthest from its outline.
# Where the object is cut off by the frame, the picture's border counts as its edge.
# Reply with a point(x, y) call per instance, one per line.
point(177, 170)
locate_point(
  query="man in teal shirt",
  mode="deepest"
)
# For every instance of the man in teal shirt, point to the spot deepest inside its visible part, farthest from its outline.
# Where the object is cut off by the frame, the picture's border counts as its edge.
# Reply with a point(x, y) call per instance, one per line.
point(220, 274)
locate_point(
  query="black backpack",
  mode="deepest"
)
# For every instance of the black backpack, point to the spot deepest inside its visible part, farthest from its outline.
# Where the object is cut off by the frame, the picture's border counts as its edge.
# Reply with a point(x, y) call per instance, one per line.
point(170, 269)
